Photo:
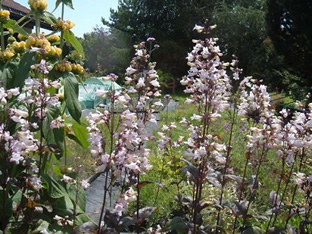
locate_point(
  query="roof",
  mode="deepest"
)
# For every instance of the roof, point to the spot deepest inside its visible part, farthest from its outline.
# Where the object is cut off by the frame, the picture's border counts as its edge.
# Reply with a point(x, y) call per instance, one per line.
point(18, 11)
point(15, 7)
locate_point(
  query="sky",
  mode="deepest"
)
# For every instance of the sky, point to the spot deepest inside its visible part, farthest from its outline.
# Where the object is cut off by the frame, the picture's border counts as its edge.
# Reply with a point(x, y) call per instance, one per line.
point(86, 14)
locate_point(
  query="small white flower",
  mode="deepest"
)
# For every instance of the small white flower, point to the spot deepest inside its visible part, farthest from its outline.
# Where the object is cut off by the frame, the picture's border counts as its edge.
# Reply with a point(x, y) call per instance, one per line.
point(85, 184)
point(196, 117)
point(155, 83)
point(198, 28)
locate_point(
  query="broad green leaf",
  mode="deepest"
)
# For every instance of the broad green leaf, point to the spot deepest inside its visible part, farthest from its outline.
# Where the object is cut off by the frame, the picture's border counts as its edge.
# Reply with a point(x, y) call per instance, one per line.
point(81, 133)
point(23, 69)
point(83, 218)
point(71, 88)
point(54, 137)
point(177, 224)
point(12, 24)
point(8, 73)
point(63, 206)
point(79, 194)
point(41, 225)
point(74, 138)
point(70, 37)
point(49, 18)
point(7, 206)
point(59, 138)
point(57, 170)
point(68, 3)
point(17, 197)
point(56, 190)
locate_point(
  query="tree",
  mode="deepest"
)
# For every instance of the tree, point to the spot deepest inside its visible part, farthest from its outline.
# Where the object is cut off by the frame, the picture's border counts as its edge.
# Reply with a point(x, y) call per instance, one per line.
point(289, 26)
point(169, 21)
point(241, 29)
point(106, 52)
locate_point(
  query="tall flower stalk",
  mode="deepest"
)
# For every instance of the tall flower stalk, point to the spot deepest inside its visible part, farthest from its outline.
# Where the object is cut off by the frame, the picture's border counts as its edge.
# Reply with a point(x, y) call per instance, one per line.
point(127, 151)
point(210, 89)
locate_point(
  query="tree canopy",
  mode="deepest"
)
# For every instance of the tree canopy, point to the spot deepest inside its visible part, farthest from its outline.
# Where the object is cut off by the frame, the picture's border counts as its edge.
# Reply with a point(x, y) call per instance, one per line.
point(289, 27)
point(271, 38)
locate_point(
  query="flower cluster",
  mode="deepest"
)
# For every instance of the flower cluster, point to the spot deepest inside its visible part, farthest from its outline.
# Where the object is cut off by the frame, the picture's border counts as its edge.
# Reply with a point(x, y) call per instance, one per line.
point(53, 38)
point(4, 16)
point(122, 204)
point(63, 25)
point(39, 41)
point(254, 100)
point(38, 5)
point(6, 54)
point(19, 47)
point(207, 80)
point(127, 152)
point(66, 66)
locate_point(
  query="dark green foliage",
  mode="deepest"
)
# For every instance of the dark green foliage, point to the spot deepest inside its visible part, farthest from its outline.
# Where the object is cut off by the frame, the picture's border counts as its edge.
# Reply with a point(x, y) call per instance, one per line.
point(170, 22)
point(71, 95)
point(241, 29)
point(289, 27)
point(106, 52)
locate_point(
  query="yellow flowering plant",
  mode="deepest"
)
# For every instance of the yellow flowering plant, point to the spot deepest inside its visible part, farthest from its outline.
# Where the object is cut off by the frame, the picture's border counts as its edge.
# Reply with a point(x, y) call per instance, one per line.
point(38, 85)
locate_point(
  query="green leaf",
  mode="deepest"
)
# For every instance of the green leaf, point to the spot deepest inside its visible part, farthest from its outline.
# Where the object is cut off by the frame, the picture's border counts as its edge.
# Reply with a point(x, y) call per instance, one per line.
point(68, 3)
point(70, 37)
point(8, 73)
point(41, 225)
point(23, 69)
point(71, 88)
point(56, 190)
point(55, 137)
point(7, 206)
point(49, 18)
point(81, 134)
point(177, 224)
point(57, 170)
point(74, 138)
point(63, 206)
point(12, 24)
point(17, 197)
point(83, 218)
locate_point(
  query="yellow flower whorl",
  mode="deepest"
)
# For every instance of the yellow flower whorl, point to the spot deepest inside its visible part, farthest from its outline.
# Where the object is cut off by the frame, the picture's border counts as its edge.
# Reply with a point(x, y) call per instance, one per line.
point(63, 66)
point(53, 38)
point(4, 16)
point(77, 69)
point(38, 5)
point(63, 25)
point(19, 47)
point(6, 55)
